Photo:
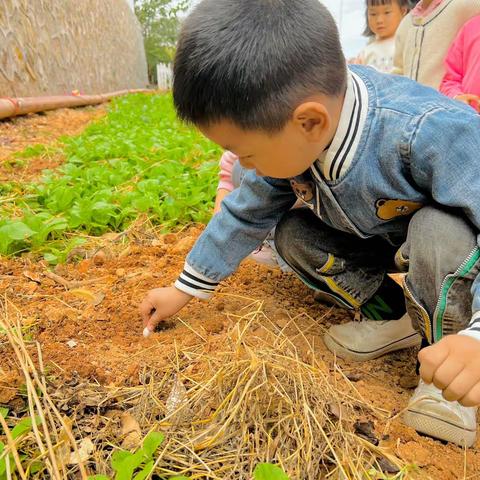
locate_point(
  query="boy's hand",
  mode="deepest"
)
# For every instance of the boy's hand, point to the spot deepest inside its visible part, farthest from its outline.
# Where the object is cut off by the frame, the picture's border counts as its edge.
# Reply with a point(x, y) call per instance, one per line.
point(161, 303)
point(453, 365)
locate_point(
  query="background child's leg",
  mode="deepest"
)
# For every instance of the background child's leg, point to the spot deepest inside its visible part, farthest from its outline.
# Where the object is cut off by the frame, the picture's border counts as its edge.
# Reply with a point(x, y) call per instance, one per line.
point(266, 254)
point(444, 260)
point(343, 268)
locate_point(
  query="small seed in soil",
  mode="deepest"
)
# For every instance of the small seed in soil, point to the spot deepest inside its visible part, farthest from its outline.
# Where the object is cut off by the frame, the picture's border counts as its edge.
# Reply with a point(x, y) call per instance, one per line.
point(147, 332)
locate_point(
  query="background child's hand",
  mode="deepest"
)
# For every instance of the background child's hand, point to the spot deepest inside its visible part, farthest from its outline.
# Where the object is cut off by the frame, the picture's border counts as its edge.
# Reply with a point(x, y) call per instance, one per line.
point(453, 365)
point(161, 303)
point(221, 194)
point(469, 99)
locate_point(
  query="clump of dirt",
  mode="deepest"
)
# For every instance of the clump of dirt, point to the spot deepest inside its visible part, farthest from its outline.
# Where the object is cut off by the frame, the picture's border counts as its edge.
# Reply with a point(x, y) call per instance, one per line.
point(46, 128)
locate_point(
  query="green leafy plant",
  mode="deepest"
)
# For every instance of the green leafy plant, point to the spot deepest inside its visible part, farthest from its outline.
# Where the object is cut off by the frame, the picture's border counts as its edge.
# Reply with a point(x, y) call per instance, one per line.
point(137, 465)
point(138, 160)
point(267, 471)
point(22, 427)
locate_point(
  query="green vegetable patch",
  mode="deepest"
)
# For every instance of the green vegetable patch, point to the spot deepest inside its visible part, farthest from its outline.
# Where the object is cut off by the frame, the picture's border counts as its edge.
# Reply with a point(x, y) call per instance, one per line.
point(138, 160)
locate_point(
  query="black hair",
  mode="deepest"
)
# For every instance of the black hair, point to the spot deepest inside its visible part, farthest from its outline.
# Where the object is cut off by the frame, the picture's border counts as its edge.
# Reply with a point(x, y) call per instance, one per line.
point(406, 4)
point(252, 62)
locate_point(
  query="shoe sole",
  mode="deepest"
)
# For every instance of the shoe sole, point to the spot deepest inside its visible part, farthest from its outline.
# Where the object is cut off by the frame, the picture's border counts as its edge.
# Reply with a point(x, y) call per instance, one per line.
point(438, 428)
point(341, 351)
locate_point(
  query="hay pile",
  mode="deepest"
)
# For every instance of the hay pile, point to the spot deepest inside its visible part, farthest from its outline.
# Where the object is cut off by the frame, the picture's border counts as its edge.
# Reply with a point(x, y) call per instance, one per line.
point(251, 396)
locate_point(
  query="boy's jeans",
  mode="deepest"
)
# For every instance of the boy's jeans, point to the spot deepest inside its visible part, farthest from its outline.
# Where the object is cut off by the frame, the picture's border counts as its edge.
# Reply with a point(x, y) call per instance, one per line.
point(440, 256)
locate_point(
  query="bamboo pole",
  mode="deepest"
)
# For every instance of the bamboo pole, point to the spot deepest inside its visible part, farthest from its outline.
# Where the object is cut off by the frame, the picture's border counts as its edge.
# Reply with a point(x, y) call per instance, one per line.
point(11, 107)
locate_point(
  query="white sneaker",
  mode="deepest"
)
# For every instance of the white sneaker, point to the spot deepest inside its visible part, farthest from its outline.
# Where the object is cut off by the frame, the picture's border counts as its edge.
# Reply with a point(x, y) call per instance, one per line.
point(369, 339)
point(429, 413)
point(265, 255)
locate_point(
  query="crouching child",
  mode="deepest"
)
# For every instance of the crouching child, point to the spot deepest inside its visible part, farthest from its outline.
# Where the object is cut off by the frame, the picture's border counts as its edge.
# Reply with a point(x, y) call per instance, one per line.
point(387, 171)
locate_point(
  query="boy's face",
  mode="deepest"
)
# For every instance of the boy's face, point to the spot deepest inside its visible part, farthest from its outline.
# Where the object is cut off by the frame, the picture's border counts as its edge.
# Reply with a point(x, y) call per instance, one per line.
point(384, 20)
point(283, 154)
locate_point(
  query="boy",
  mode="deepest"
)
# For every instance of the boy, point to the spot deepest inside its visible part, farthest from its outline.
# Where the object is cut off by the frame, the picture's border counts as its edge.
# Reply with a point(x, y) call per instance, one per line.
point(374, 159)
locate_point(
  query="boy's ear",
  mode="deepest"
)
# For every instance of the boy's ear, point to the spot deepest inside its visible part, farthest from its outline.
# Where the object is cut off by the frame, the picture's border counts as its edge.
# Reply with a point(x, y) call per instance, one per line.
point(313, 119)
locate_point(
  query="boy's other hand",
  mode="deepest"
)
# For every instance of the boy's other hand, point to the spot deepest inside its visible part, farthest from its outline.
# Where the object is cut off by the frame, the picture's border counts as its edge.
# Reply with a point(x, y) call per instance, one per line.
point(453, 365)
point(160, 304)
point(469, 99)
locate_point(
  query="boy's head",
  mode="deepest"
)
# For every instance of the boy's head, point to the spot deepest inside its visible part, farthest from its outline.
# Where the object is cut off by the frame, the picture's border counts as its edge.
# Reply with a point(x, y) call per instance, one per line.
point(263, 78)
point(384, 16)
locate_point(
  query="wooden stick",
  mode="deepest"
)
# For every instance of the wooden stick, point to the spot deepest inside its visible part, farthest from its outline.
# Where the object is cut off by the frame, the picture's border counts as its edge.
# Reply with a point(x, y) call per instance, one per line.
point(69, 284)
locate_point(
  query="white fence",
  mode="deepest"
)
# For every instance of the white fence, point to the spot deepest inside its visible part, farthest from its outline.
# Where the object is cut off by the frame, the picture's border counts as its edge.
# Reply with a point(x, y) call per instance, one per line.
point(164, 76)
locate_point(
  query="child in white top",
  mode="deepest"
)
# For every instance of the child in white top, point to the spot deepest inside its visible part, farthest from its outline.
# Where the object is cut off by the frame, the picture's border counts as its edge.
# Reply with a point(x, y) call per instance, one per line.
point(383, 18)
point(425, 35)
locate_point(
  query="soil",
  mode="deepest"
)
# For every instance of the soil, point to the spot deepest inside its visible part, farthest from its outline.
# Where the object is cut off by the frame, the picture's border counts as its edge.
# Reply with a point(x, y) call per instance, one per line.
point(92, 330)
point(45, 128)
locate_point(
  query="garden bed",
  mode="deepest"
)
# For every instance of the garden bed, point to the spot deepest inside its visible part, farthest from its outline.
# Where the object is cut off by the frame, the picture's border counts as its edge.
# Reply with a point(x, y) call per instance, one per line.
point(241, 380)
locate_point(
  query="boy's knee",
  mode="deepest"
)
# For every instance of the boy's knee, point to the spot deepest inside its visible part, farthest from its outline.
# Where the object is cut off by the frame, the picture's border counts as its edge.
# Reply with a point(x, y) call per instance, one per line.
point(431, 222)
point(436, 231)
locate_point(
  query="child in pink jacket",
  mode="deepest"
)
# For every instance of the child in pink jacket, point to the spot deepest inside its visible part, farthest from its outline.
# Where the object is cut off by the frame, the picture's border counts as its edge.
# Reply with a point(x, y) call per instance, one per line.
point(225, 184)
point(462, 77)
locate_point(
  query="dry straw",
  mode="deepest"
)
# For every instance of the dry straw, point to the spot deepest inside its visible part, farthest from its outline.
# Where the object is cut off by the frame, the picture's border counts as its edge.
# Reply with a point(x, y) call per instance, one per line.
point(251, 395)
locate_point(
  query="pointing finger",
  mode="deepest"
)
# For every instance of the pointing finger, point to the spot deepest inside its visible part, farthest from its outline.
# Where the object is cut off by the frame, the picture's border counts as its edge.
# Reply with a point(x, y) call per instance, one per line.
point(145, 310)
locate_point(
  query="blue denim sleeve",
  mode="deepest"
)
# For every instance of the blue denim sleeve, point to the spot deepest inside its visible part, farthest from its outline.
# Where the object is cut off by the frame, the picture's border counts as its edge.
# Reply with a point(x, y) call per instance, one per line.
point(247, 216)
point(445, 161)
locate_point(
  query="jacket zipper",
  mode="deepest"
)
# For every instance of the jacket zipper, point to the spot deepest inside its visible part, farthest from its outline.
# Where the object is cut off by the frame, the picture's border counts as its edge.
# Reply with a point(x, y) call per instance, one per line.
point(426, 317)
point(442, 298)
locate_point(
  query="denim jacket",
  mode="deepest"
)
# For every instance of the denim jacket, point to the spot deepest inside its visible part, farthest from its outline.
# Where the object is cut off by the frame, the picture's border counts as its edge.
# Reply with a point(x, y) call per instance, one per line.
point(399, 146)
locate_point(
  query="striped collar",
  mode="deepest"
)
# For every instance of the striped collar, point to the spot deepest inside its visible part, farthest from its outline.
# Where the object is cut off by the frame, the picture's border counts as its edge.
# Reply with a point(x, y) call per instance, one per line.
point(336, 160)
